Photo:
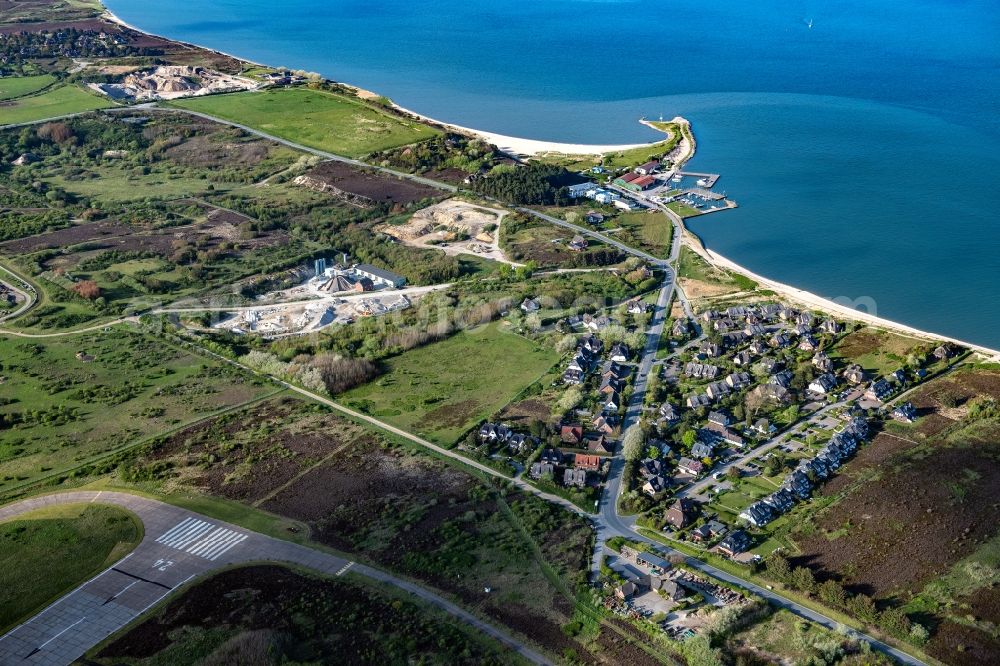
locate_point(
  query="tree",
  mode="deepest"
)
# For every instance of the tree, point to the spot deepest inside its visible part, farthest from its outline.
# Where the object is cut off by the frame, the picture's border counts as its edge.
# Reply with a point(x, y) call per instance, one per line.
point(802, 579)
point(832, 594)
point(688, 438)
point(570, 399)
point(863, 607)
point(633, 442)
point(566, 344)
point(895, 622)
point(653, 452)
point(778, 567)
point(733, 473)
point(87, 289)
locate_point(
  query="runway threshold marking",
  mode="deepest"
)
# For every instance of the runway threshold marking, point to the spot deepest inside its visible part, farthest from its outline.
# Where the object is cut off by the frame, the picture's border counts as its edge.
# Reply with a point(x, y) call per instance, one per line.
point(201, 538)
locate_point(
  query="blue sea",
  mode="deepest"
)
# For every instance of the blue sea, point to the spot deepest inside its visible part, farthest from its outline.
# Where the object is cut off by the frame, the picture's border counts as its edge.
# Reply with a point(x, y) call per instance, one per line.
point(861, 138)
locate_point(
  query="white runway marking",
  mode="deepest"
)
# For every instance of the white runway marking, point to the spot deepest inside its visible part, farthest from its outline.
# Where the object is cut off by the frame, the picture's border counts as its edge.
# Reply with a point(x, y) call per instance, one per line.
point(199, 538)
point(61, 633)
point(344, 568)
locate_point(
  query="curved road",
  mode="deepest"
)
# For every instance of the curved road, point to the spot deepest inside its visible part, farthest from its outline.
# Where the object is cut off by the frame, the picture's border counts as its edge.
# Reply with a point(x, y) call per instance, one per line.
point(178, 546)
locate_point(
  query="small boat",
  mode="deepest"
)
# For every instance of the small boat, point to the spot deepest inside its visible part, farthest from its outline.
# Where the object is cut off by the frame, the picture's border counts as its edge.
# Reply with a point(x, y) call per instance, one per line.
point(676, 179)
point(702, 182)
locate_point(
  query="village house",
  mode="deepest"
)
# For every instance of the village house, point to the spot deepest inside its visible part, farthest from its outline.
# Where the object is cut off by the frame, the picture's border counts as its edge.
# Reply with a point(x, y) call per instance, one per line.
point(575, 477)
point(742, 359)
point(771, 392)
point(682, 513)
point(587, 461)
point(808, 343)
point(822, 362)
point(710, 349)
point(702, 450)
point(696, 400)
point(757, 514)
point(719, 417)
point(758, 348)
point(602, 425)
point(738, 380)
point(830, 326)
point(754, 330)
point(696, 370)
point(734, 544)
point(530, 305)
point(712, 529)
point(668, 413)
point(594, 218)
point(898, 376)
point(723, 433)
point(578, 244)
point(572, 376)
point(611, 386)
point(551, 455)
point(637, 306)
point(855, 374)
point(879, 390)
point(592, 344)
point(905, 412)
point(613, 402)
point(798, 483)
point(780, 340)
point(780, 501)
point(823, 384)
point(716, 390)
point(571, 434)
point(614, 370)
point(680, 328)
point(597, 443)
point(540, 469)
point(648, 169)
point(943, 352)
point(783, 378)
point(620, 353)
point(689, 466)
point(654, 486)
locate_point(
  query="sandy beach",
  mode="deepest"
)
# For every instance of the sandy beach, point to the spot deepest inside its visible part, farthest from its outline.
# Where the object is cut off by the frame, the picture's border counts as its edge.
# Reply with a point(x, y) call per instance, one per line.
point(530, 147)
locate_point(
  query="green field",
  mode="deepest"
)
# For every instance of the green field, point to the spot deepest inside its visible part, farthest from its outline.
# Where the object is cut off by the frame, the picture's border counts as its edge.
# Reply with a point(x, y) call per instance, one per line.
point(61, 101)
point(60, 409)
point(321, 120)
point(12, 87)
point(442, 390)
point(649, 230)
point(48, 552)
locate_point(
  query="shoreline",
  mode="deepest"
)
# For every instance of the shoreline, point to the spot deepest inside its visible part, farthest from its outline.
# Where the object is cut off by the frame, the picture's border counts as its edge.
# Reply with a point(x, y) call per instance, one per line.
point(820, 303)
point(532, 147)
point(513, 145)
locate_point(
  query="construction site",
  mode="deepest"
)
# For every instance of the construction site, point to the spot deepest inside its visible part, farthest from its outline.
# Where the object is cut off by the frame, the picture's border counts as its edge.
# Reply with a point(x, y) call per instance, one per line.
point(455, 227)
point(173, 82)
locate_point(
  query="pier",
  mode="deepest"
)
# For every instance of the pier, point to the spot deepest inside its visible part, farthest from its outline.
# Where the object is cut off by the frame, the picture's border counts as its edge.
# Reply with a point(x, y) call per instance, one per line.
point(709, 178)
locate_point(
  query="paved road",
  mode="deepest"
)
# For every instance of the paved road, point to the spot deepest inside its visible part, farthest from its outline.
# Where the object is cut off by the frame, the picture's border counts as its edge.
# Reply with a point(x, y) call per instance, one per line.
point(21, 287)
point(178, 546)
point(332, 298)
